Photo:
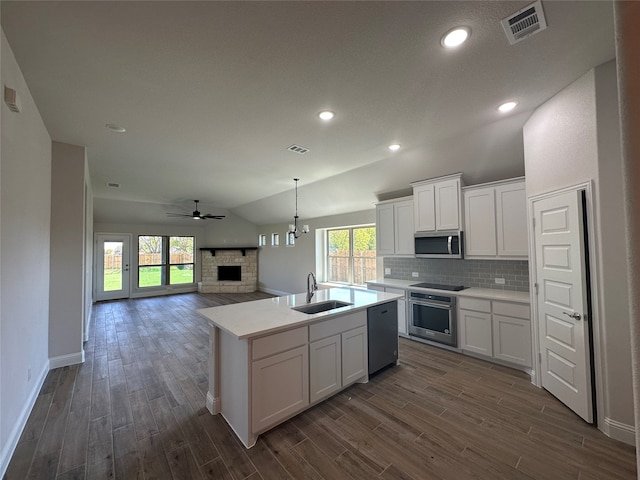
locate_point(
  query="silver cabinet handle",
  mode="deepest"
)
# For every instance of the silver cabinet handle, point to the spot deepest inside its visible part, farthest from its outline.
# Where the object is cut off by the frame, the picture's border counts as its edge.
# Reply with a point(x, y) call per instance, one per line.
point(575, 316)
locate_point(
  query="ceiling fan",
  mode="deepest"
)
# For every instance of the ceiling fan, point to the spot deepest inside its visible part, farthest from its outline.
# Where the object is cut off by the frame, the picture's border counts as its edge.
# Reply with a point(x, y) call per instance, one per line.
point(196, 215)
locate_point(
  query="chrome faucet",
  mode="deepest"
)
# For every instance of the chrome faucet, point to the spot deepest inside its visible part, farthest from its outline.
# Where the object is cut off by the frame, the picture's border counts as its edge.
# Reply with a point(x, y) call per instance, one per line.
point(311, 287)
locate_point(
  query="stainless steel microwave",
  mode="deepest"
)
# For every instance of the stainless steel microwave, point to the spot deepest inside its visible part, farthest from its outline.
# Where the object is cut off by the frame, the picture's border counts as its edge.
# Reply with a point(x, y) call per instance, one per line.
point(439, 244)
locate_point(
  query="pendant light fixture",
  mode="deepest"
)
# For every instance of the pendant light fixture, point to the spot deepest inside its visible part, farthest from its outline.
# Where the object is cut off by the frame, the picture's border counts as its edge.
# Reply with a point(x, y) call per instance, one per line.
point(293, 228)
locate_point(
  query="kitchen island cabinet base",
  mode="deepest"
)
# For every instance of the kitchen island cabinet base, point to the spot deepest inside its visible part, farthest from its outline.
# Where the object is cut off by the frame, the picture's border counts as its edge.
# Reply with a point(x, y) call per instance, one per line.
point(265, 381)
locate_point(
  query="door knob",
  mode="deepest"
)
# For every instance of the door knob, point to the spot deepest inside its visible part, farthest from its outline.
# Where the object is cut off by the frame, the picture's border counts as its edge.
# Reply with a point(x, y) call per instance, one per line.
point(575, 316)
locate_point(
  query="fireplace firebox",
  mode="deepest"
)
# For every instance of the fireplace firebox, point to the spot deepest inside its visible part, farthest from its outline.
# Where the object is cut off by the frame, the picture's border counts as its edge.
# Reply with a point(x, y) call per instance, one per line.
point(229, 273)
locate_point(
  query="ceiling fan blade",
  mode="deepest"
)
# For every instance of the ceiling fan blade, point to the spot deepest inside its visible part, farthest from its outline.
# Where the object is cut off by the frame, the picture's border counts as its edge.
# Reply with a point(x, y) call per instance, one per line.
point(216, 217)
point(170, 214)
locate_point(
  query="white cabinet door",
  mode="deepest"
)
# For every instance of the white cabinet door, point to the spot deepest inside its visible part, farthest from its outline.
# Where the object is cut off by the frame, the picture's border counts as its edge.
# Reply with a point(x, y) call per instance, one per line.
point(424, 206)
point(511, 215)
point(403, 222)
point(512, 340)
point(476, 332)
point(354, 355)
point(447, 203)
point(385, 229)
point(402, 317)
point(480, 222)
point(402, 310)
point(325, 368)
point(279, 387)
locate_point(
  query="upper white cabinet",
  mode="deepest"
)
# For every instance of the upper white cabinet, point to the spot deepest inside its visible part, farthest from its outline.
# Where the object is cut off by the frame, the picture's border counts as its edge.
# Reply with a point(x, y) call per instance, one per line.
point(394, 227)
point(436, 204)
point(495, 223)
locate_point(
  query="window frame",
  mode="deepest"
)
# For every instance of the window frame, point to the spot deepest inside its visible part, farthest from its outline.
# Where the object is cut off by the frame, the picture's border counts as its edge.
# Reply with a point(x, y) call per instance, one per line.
point(165, 266)
point(350, 258)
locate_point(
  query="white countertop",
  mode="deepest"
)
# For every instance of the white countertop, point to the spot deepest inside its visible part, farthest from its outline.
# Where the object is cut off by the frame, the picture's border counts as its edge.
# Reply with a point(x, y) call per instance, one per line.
point(252, 319)
point(488, 293)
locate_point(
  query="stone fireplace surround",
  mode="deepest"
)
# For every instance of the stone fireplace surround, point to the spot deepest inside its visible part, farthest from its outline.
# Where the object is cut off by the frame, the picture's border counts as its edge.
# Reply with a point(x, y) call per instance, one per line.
point(245, 257)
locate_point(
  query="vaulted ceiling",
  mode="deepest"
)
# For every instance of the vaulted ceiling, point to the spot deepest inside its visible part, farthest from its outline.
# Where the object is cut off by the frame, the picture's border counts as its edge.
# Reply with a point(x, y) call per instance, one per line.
point(213, 93)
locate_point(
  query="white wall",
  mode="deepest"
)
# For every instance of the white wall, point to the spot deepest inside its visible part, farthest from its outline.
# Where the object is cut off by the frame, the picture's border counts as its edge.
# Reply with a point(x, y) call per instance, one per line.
point(25, 204)
point(67, 281)
point(230, 231)
point(284, 270)
point(573, 138)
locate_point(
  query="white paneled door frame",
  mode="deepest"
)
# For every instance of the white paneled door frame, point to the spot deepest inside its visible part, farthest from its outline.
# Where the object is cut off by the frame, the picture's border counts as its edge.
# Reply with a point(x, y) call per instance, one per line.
point(595, 320)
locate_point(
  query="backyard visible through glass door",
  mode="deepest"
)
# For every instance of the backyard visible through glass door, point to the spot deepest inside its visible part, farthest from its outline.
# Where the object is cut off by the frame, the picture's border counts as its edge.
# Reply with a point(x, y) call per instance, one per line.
point(112, 266)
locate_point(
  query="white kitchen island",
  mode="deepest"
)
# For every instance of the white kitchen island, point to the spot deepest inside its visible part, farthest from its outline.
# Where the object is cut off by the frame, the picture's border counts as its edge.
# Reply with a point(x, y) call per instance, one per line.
point(268, 362)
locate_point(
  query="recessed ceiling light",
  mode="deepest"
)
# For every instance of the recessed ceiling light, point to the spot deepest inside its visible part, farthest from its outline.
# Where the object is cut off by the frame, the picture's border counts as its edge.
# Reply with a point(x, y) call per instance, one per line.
point(115, 128)
point(455, 37)
point(394, 147)
point(507, 107)
point(326, 115)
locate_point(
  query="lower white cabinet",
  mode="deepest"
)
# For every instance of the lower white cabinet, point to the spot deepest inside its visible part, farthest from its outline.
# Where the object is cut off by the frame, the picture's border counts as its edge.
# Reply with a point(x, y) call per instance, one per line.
point(354, 355)
point(325, 358)
point(497, 329)
point(279, 387)
point(337, 354)
point(475, 332)
point(512, 340)
point(403, 316)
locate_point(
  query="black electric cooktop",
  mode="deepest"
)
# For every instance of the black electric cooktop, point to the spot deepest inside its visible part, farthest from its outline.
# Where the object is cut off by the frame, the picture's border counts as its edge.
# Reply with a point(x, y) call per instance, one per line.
point(437, 286)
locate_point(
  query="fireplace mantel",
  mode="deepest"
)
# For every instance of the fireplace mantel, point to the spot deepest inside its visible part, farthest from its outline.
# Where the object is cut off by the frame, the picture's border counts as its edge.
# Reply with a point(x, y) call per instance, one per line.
point(213, 249)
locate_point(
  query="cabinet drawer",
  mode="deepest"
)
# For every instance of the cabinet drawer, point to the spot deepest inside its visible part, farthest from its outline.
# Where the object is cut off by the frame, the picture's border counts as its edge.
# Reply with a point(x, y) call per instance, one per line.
point(279, 342)
point(477, 304)
point(518, 310)
point(337, 325)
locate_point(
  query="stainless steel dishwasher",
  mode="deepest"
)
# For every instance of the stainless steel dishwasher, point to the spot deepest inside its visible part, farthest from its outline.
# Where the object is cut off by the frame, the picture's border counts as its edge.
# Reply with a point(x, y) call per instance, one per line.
point(382, 326)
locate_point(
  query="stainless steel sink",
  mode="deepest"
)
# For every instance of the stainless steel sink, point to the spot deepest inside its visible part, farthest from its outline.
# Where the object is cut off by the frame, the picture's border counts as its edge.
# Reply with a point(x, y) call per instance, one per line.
point(321, 306)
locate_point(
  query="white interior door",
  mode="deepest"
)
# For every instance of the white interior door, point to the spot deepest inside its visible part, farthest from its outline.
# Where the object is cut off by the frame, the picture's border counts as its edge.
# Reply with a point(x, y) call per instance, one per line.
point(112, 266)
point(562, 301)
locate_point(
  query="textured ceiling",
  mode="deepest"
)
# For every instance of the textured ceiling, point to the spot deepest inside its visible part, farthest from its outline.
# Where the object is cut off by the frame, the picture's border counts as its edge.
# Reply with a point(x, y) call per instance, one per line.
point(213, 93)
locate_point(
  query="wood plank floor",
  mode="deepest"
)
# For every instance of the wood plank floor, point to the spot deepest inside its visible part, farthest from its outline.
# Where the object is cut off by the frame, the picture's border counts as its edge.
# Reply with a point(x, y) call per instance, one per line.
point(135, 410)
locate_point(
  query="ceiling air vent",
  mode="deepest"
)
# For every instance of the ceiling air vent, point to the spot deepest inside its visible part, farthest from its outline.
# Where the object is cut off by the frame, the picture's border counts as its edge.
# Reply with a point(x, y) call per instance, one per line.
point(298, 149)
point(113, 185)
point(524, 23)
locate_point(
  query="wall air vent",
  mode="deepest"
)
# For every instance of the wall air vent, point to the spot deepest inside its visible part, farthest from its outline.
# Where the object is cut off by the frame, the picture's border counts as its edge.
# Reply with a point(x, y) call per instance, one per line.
point(298, 149)
point(11, 99)
point(524, 23)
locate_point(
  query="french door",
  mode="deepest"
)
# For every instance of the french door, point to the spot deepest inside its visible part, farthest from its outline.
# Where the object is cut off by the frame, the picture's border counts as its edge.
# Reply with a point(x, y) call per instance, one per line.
point(112, 266)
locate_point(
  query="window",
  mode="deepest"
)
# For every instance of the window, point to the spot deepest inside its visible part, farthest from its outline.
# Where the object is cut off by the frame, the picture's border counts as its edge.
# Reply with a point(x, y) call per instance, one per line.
point(275, 239)
point(262, 240)
point(290, 239)
point(351, 255)
point(165, 260)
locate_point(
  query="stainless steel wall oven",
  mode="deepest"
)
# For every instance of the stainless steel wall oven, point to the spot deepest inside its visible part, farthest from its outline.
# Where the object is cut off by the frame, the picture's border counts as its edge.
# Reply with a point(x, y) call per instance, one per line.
point(433, 317)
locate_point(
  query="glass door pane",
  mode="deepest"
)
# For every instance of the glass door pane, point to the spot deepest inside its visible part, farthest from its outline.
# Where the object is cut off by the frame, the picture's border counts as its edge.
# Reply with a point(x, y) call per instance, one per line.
point(112, 266)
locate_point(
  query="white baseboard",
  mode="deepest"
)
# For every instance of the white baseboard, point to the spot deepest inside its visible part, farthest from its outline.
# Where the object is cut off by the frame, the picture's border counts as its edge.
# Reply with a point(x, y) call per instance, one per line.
point(12, 441)
point(66, 360)
point(619, 431)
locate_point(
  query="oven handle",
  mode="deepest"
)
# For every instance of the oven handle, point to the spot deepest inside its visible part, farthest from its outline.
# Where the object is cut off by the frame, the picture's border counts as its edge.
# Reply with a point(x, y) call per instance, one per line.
point(435, 305)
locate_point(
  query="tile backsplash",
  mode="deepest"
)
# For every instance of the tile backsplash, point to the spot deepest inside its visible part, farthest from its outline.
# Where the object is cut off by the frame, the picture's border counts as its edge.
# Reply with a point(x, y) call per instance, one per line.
point(470, 273)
